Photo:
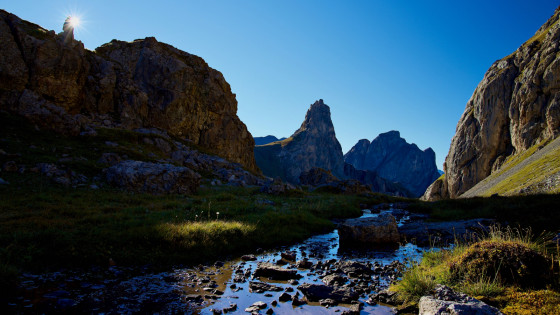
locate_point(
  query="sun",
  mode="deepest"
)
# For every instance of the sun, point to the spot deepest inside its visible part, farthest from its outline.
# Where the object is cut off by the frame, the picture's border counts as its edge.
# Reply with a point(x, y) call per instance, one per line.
point(74, 21)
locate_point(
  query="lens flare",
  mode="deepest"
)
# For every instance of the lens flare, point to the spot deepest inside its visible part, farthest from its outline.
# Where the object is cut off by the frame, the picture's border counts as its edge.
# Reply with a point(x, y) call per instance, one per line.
point(74, 21)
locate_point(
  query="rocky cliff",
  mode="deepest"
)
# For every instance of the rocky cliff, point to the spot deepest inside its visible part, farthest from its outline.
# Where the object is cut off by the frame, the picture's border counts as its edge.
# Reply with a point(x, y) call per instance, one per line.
point(57, 84)
point(314, 144)
point(395, 160)
point(514, 107)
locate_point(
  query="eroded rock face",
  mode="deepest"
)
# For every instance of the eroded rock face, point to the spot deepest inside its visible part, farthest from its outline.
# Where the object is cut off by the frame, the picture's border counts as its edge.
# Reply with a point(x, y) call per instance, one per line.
point(395, 160)
point(516, 105)
point(313, 145)
point(59, 85)
point(380, 230)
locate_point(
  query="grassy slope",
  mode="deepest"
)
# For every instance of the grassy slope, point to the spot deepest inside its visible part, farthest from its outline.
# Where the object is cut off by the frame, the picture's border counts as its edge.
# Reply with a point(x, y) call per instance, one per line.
point(523, 173)
point(44, 226)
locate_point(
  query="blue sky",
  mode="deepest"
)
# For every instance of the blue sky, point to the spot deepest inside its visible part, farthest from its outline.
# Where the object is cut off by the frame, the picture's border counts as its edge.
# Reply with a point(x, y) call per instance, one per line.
point(380, 65)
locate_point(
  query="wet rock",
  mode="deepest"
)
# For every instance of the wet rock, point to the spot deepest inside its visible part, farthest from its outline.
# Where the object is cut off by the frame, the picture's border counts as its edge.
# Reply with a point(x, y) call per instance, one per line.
point(304, 264)
point(216, 311)
point(260, 287)
point(354, 309)
point(193, 298)
point(231, 308)
point(328, 302)
point(380, 230)
point(298, 302)
point(289, 256)
point(275, 272)
point(354, 268)
point(284, 297)
point(248, 258)
point(385, 296)
point(446, 301)
point(255, 307)
point(153, 178)
point(316, 292)
point(334, 280)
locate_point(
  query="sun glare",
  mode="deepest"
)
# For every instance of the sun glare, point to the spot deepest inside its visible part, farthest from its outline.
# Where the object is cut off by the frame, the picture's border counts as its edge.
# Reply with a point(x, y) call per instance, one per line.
point(74, 21)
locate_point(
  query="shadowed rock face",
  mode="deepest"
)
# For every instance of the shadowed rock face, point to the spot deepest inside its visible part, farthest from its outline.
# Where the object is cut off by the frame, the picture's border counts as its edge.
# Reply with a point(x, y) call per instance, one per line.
point(62, 86)
point(516, 105)
point(313, 145)
point(395, 160)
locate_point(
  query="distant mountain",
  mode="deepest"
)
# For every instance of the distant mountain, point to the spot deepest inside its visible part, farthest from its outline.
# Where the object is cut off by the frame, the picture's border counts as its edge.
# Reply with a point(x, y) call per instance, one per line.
point(511, 118)
point(375, 182)
point(313, 145)
point(266, 140)
point(395, 160)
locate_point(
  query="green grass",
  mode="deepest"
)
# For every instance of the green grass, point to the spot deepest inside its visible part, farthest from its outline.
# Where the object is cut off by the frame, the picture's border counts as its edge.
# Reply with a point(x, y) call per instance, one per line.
point(48, 227)
point(471, 268)
point(540, 212)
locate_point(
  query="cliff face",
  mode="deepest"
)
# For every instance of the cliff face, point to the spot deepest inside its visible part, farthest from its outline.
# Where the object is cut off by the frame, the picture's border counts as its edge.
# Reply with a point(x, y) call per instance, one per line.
point(516, 105)
point(395, 160)
point(313, 145)
point(57, 84)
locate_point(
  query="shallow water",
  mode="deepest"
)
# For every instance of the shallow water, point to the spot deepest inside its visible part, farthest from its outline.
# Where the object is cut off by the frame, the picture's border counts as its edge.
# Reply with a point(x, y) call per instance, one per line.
point(131, 290)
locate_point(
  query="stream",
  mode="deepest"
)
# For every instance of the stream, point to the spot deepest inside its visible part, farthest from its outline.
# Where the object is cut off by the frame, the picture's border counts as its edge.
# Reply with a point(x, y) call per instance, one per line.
point(224, 287)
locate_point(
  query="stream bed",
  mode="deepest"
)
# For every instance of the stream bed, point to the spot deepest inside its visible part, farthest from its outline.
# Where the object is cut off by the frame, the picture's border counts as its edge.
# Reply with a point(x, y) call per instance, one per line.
point(225, 287)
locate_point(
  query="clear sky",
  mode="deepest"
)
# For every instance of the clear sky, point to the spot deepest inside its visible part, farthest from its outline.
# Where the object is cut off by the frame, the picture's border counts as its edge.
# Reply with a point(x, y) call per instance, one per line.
point(380, 65)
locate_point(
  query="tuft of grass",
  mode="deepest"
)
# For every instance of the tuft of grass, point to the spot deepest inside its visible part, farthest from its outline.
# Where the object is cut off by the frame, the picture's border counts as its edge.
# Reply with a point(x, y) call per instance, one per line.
point(471, 268)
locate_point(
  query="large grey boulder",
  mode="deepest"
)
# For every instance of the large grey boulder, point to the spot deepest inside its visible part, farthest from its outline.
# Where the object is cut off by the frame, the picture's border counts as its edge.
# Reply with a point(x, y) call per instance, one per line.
point(380, 230)
point(446, 301)
point(152, 177)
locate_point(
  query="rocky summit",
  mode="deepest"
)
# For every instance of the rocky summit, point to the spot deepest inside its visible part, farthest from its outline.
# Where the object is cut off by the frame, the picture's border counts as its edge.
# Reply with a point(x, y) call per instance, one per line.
point(314, 144)
point(57, 84)
point(395, 160)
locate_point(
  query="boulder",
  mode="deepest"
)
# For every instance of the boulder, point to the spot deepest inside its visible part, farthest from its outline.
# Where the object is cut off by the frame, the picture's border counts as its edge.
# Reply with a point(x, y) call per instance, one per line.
point(275, 272)
point(317, 292)
point(260, 287)
point(152, 177)
point(380, 230)
point(446, 301)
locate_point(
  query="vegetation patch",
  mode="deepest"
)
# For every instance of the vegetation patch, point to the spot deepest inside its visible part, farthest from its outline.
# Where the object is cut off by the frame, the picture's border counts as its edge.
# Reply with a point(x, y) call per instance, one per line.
point(502, 267)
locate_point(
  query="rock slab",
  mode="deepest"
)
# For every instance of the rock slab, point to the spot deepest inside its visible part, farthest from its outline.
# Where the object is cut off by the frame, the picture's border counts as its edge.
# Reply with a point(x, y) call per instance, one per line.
point(380, 230)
